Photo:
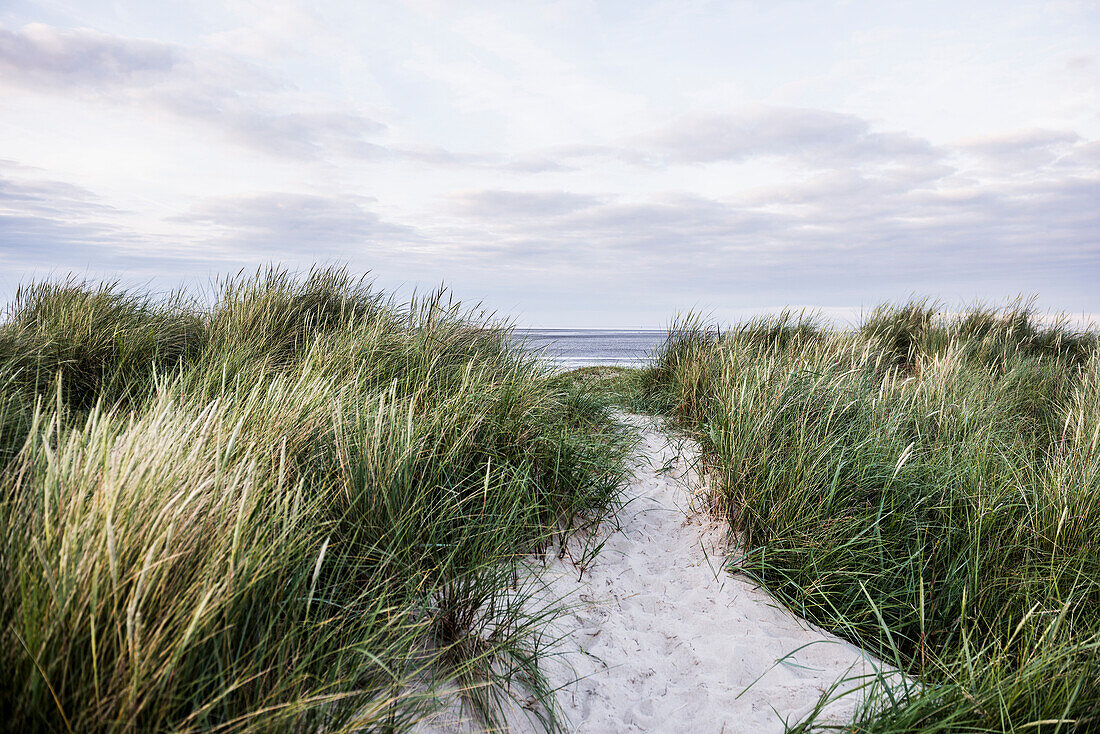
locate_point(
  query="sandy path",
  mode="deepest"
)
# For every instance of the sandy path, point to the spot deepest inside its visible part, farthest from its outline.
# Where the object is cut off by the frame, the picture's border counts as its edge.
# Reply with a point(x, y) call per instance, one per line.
point(658, 639)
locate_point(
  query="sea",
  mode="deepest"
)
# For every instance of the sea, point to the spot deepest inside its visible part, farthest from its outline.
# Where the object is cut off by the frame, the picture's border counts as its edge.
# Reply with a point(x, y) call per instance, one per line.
point(572, 348)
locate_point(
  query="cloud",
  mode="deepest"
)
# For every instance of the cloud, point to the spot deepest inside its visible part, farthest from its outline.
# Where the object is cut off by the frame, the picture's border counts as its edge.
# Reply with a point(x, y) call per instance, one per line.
point(572, 157)
point(816, 137)
point(1022, 141)
point(850, 232)
point(245, 102)
point(1023, 152)
point(49, 225)
point(520, 204)
point(277, 225)
point(39, 54)
point(294, 134)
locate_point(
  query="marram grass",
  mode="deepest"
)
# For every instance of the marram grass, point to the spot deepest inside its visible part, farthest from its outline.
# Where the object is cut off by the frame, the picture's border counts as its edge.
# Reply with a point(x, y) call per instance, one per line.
point(297, 509)
point(928, 487)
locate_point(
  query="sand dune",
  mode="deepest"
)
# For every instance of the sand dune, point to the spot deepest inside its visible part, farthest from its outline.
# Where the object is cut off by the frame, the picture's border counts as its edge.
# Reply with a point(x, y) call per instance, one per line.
point(658, 638)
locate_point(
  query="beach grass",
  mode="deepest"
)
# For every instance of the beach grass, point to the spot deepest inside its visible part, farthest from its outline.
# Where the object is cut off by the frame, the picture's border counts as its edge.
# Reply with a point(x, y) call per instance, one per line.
point(927, 486)
point(299, 508)
point(623, 387)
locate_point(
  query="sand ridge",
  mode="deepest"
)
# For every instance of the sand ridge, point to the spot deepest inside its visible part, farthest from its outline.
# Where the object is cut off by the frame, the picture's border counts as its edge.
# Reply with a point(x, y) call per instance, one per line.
point(659, 638)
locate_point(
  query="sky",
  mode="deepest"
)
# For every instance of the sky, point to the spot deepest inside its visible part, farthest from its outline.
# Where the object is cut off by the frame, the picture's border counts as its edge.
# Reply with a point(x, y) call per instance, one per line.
point(569, 163)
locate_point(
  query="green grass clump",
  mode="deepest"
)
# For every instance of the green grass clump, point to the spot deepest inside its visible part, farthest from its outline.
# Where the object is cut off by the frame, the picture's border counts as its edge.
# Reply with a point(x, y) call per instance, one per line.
point(100, 343)
point(927, 487)
point(298, 509)
point(624, 387)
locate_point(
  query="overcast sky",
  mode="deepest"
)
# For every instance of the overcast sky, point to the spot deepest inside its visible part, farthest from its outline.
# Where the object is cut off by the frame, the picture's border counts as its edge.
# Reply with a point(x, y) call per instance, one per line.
point(573, 163)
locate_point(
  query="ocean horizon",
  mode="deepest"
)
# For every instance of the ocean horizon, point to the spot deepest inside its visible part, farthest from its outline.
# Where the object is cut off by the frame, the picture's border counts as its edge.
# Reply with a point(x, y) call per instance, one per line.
point(572, 348)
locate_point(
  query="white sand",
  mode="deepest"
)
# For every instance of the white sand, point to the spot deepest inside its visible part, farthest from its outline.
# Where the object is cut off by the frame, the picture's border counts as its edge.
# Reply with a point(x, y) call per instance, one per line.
point(658, 638)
